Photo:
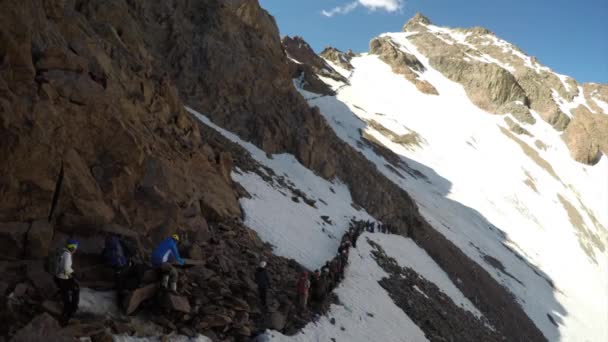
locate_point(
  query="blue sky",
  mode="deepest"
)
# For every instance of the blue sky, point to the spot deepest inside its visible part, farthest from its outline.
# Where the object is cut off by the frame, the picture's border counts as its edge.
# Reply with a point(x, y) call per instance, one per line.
point(569, 36)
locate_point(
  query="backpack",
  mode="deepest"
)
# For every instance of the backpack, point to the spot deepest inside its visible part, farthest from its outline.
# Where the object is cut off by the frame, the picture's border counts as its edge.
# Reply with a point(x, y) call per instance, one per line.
point(114, 252)
point(53, 264)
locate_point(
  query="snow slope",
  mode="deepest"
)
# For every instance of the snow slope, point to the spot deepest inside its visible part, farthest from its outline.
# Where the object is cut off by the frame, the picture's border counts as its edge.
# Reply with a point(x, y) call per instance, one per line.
point(517, 205)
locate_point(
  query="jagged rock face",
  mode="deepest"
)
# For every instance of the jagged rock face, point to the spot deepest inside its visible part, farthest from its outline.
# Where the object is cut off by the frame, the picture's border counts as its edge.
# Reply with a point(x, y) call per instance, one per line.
point(338, 57)
point(92, 133)
point(587, 136)
point(306, 66)
point(401, 62)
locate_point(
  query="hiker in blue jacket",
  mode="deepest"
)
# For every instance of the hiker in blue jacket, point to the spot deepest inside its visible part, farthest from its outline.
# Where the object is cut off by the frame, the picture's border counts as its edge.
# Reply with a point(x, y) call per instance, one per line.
point(162, 257)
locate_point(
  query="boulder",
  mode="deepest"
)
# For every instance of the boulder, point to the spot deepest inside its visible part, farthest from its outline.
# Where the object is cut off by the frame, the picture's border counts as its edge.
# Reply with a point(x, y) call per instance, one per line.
point(42, 328)
point(52, 307)
point(215, 321)
point(176, 303)
point(39, 239)
point(12, 239)
point(277, 321)
point(137, 296)
point(41, 279)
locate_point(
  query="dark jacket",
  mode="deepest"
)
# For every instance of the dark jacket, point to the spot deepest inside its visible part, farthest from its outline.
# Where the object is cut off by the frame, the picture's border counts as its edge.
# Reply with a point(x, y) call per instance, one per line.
point(262, 278)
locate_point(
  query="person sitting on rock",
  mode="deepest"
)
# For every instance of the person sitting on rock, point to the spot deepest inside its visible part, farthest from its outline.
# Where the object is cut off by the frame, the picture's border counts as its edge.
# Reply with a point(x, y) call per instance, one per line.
point(263, 281)
point(302, 287)
point(162, 257)
point(64, 278)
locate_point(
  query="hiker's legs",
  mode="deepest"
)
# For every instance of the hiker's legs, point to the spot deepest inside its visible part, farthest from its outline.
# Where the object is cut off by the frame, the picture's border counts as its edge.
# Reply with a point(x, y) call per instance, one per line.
point(74, 296)
point(262, 292)
point(169, 276)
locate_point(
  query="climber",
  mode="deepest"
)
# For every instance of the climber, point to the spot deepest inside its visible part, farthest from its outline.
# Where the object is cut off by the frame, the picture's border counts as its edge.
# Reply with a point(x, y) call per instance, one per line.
point(117, 256)
point(61, 268)
point(343, 262)
point(317, 286)
point(263, 281)
point(302, 287)
point(162, 256)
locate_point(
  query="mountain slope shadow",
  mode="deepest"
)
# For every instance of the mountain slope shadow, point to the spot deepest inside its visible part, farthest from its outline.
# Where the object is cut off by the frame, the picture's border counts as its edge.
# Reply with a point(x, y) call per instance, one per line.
point(430, 191)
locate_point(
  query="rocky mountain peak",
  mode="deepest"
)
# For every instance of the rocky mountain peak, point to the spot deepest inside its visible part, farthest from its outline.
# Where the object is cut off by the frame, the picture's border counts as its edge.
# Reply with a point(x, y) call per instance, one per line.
point(415, 21)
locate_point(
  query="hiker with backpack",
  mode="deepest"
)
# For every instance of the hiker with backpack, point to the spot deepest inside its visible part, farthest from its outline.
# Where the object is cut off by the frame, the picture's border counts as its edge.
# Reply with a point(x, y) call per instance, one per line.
point(61, 269)
point(263, 281)
point(162, 257)
point(117, 256)
point(303, 287)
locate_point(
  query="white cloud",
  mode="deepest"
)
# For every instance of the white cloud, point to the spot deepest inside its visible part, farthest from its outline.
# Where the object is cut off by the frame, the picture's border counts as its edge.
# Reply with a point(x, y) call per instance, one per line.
point(385, 5)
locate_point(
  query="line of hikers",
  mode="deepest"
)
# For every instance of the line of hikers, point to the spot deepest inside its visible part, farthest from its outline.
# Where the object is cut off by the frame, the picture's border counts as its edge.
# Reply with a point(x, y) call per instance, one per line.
point(119, 257)
point(313, 289)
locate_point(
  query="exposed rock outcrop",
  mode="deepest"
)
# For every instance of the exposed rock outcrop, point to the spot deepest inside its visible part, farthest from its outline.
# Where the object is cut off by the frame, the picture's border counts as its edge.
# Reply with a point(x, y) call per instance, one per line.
point(587, 136)
point(402, 63)
point(306, 65)
point(338, 57)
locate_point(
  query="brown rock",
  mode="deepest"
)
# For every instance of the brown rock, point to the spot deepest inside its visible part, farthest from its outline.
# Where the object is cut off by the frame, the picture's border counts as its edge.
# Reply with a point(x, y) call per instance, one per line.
point(54, 8)
point(12, 239)
point(136, 297)
point(55, 58)
point(278, 321)
point(42, 328)
point(587, 136)
point(41, 279)
point(52, 307)
point(215, 321)
point(225, 164)
point(176, 303)
point(39, 238)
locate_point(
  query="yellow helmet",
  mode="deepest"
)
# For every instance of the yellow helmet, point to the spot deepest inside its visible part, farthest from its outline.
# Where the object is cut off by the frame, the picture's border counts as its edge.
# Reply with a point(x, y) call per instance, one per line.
point(175, 237)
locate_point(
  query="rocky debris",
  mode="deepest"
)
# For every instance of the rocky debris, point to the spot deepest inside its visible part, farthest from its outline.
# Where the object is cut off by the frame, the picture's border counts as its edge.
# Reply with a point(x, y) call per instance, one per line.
point(12, 239)
point(39, 238)
point(432, 310)
point(401, 63)
point(338, 57)
point(41, 328)
point(587, 136)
